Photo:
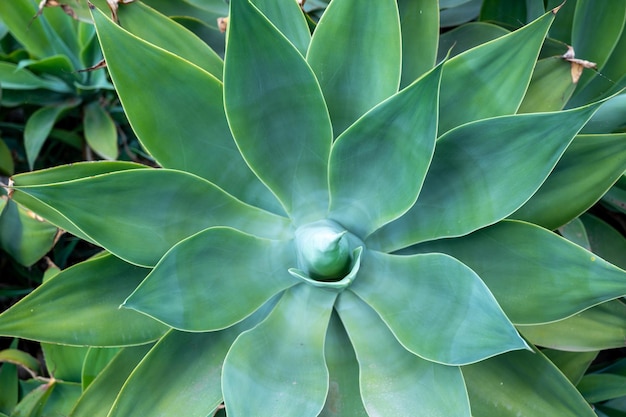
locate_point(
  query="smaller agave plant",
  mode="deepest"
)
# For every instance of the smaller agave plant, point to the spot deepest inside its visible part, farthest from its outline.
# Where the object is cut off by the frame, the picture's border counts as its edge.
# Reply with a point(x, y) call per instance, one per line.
point(331, 232)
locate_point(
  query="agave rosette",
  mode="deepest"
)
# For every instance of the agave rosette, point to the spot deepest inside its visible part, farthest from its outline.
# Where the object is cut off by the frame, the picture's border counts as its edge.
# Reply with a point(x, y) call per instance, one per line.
point(330, 232)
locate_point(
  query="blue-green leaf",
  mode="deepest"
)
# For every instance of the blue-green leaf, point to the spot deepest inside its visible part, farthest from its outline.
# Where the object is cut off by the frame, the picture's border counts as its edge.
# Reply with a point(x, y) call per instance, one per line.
point(434, 294)
point(356, 55)
point(277, 113)
point(278, 366)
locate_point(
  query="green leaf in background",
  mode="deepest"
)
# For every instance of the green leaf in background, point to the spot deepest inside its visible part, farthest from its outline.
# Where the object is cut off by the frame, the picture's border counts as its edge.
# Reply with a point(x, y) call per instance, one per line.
point(598, 328)
point(135, 231)
point(155, 28)
point(604, 240)
point(98, 323)
point(10, 388)
point(15, 78)
point(96, 360)
point(476, 177)
point(470, 35)
point(509, 13)
point(522, 384)
point(38, 128)
point(391, 378)
point(550, 87)
point(377, 166)
point(98, 398)
point(420, 37)
point(524, 281)
point(408, 293)
point(23, 234)
point(18, 357)
point(100, 131)
point(602, 387)
point(264, 362)
point(491, 79)
point(609, 118)
point(186, 86)
point(575, 232)
point(572, 364)
point(64, 362)
point(596, 29)
point(372, 41)
point(266, 76)
point(208, 268)
point(588, 168)
point(7, 166)
point(615, 198)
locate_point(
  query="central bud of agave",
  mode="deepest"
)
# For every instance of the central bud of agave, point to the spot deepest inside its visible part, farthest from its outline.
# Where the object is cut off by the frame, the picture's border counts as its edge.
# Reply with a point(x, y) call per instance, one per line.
point(328, 255)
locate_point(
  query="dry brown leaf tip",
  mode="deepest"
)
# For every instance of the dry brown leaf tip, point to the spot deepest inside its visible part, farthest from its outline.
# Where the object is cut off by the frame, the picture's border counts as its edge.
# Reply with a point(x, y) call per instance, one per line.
point(577, 65)
point(222, 23)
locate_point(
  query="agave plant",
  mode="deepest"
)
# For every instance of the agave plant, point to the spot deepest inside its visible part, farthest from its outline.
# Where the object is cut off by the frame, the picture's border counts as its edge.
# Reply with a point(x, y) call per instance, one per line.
point(331, 230)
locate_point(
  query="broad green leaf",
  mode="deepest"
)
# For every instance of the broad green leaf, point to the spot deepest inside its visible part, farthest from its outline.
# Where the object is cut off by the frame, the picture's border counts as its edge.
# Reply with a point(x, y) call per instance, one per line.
point(491, 79)
point(377, 166)
point(596, 29)
point(467, 36)
point(277, 113)
point(15, 78)
point(95, 361)
point(289, 20)
point(610, 79)
point(604, 240)
point(542, 264)
point(33, 403)
point(419, 21)
point(10, 388)
point(191, 363)
point(511, 13)
point(522, 384)
point(588, 168)
point(477, 176)
point(394, 381)
point(72, 172)
point(159, 30)
point(279, 366)
point(7, 166)
point(24, 235)
point(575, 232)
point(98, 398)
point(602, 387)
point(344, 395)
point(37, 129)
point(427, 294)
point(84, 300)
point(598, 328)
point(21, 358)
point(208, 268)
point(64, 362)
point(356, 55)
point(153, 209)
point(100, 130)
point(550, 87)
point(609, 117)
point(37, 35)
point(62, 399)
point(196, 140)
point(572, 364)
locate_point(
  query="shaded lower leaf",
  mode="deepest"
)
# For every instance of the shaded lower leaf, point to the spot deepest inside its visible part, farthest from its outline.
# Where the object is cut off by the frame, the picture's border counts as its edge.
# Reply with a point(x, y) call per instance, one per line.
point(191, 363)
point(97, 399)
point(572, 364)
point(86, 310)
point(100, 131)
point(95, 361)
point(550, 87)
point(221, 269)
point(394, 381)
point(37, 129)
point(602, 387)
point(433, 293)
point(64, 362)
point(344, 395)
point(588, 168)
point(278, 367)
point(522, 384)
point(24, 235)
point(525, 280)
point(604, 240)
point(598, 328)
